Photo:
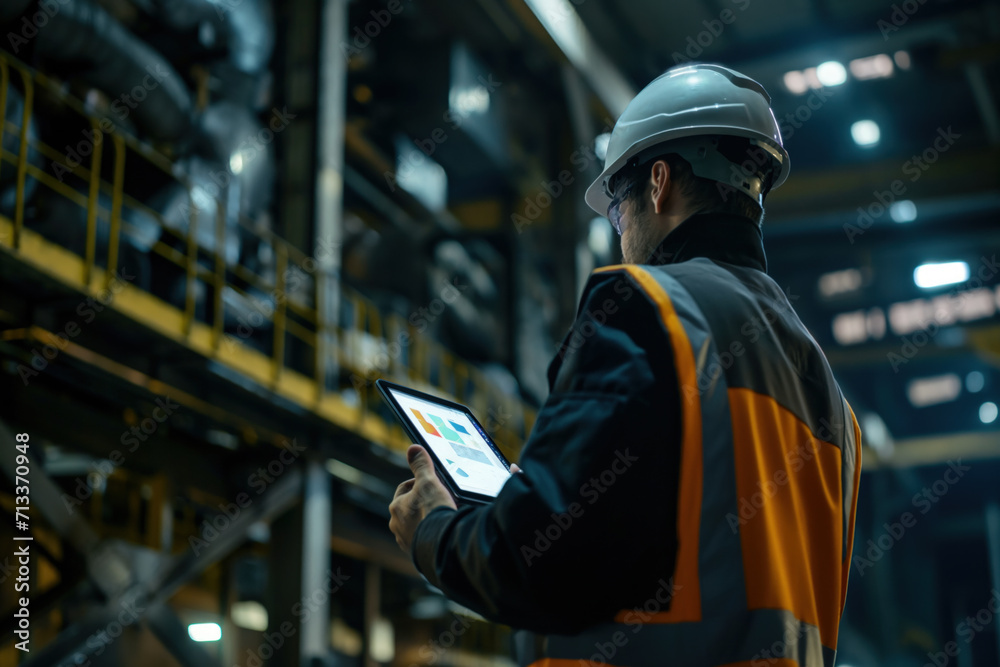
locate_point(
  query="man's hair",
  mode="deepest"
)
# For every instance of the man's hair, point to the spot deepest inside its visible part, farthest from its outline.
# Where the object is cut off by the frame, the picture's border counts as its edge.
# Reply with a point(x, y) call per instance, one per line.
point(702, 194)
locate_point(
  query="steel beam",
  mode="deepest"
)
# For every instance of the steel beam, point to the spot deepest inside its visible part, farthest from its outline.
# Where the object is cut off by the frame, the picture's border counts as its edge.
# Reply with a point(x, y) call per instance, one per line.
point(316, 517)
point(568, 31)
point(329, 216)
point(583, 135)
point(299, 587)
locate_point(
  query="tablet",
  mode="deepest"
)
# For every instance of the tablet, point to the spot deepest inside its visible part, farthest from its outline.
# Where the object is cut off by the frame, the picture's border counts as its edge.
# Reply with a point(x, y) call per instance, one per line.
point(466, 459)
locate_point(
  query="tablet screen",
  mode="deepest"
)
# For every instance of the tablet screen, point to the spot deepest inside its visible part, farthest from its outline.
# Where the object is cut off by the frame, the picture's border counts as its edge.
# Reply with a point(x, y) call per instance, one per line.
point(458, 444)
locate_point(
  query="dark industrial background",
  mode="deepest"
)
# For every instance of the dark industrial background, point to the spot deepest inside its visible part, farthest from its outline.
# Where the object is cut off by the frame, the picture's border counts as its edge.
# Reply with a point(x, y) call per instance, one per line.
point(222, 220)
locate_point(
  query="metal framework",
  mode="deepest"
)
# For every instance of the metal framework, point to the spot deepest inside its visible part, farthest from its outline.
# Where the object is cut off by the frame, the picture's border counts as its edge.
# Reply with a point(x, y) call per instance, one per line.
point(422, 363)
point(123, 575)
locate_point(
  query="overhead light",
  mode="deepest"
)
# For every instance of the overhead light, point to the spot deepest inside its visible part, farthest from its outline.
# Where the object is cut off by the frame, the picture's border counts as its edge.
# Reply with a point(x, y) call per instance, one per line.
point(796, 82)
point(902, 59)
point(467, 101)
point(929, 276)
point(250, 615)
point(933, 390)
point(382, 643)
point(875, 323)
point(205, 632)
point(903, 211)
point(988, 412)
point(873, 67)
point(974, 382)
point(812, 77)
point(839, 282)
point(865, 133)
point(850, 328)
point(945, 309)
point(831, 73)
point(236, 163)
point(601, 142)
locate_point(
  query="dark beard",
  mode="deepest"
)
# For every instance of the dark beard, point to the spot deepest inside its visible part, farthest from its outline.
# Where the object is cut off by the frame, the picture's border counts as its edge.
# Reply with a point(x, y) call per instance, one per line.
point(641, 239)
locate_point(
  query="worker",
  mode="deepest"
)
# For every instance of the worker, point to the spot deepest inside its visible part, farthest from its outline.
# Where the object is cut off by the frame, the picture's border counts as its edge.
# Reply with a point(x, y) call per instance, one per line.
point(688, 492)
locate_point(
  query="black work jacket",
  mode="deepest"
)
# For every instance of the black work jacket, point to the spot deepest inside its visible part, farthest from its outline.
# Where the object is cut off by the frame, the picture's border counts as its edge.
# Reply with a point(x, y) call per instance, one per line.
point(590, 527)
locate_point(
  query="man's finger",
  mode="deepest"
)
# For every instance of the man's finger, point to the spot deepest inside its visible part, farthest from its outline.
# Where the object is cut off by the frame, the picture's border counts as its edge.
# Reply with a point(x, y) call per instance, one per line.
point(404, 488)
point(420, 461)
point(514, 468)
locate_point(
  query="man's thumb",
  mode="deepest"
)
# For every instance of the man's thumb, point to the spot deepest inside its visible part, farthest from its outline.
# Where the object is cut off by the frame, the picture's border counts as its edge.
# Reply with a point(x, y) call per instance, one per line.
point(420, 462)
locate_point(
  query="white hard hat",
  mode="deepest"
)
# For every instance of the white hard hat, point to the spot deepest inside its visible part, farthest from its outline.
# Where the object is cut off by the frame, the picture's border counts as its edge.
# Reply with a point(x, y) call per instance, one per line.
point(683, 111)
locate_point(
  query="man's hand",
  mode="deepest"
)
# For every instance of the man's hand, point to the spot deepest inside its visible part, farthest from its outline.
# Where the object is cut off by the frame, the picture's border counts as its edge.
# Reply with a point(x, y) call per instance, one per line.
point(415, 498)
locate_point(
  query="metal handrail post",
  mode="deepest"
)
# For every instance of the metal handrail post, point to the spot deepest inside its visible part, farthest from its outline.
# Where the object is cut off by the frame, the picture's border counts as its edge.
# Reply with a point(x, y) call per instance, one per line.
point(116, 207)
point(22, 155)
point(97, 147)
point(279, 312)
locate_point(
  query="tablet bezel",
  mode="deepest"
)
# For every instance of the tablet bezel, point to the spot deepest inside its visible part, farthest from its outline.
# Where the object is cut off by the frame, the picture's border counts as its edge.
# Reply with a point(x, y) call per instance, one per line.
point(386, 388)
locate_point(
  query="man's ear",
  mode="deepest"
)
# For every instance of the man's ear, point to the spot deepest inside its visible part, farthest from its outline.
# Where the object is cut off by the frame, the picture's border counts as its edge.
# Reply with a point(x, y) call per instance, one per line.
point(662, 182)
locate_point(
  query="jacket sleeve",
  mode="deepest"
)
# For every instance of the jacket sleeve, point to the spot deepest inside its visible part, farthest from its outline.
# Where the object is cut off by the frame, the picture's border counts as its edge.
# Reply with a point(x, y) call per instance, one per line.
point(590, 526)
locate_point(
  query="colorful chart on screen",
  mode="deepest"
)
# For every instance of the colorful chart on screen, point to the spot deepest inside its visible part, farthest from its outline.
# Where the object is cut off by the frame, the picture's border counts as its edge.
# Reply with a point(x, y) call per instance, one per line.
point(457, 443)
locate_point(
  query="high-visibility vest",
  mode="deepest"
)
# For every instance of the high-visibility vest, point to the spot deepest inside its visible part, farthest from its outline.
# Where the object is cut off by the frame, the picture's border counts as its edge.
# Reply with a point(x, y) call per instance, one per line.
point(769, 469)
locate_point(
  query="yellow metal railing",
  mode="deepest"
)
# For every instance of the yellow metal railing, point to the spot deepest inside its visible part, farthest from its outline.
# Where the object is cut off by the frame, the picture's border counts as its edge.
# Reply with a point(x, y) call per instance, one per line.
point(296, 315)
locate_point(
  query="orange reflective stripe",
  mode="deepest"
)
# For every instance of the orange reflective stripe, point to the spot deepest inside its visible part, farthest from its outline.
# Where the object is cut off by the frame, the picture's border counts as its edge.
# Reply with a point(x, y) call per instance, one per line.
point(685, 605)
point(791, 513)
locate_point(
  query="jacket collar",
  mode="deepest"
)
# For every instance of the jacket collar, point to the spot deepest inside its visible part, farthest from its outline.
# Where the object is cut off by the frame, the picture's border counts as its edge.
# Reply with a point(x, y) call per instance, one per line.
point(719, 236)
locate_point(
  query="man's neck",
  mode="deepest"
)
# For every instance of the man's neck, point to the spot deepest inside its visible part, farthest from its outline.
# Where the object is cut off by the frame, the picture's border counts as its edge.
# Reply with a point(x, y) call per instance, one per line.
point(718, 236)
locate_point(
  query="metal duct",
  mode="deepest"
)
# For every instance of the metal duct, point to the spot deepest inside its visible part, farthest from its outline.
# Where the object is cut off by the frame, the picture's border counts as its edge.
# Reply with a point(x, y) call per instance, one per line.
point(82, 39)
point(246, 26)
point(176, 207)
point(250, 33)
point(232, 135)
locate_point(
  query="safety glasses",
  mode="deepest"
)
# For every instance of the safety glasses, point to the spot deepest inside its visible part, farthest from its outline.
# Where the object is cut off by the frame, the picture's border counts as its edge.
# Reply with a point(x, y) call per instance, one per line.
point(614, 208)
